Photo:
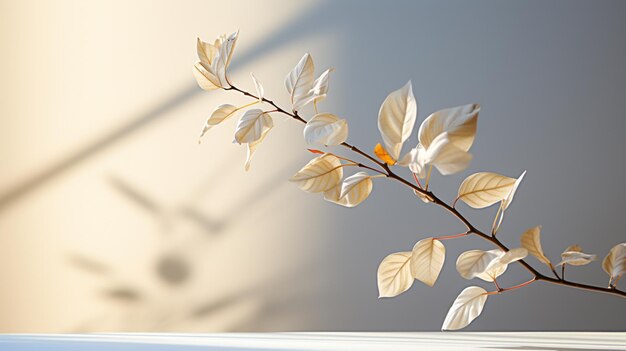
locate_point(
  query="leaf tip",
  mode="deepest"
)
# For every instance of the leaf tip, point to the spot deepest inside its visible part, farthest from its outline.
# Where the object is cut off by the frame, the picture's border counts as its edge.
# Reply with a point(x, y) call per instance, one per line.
point(315, 151)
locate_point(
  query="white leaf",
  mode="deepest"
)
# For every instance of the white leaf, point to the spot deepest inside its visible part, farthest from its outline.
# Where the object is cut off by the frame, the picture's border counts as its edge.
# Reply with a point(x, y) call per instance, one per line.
point(415, 159)
point(467, 306)
point(300, 80)
point(459, 122)
point(427, 260)
point(614, 264)
point(218, 66)
point(220, 63)
point(259, 88)
point(356, 188)
point(408, 158)
point(229, 47)
point(252, 125)
point(509, 197)
point(499, 265)
point(394, 274)
point(531, 240)
point(473, 263)
point(446, 156)
point(320, 174)
point(320, 85)
point(396, 119)
point(251, 149)
point(205, 77)
point(220, 114)
point(575, 257)
point(483, 189)
point(316, 94)
point(326, 129)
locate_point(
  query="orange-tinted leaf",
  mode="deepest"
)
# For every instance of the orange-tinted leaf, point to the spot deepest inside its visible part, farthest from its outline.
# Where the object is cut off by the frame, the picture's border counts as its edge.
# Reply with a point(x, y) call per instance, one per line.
point(314, 151)
point(383, 155)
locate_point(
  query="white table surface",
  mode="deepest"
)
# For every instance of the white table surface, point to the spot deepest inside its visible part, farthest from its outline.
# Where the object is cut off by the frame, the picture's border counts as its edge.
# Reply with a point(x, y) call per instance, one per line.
point(574, 341)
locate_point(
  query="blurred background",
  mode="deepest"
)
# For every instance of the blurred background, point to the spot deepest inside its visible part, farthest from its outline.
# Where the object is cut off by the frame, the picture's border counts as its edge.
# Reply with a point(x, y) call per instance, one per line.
point(114, 218)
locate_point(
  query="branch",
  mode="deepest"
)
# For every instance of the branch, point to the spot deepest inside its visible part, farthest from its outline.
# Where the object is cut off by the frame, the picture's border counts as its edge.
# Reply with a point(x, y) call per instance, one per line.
point(471, 229)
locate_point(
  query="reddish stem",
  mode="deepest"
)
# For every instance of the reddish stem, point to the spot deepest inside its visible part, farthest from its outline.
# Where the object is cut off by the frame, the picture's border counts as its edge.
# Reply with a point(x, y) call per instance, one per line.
point(497, 285)
point(417, 180)
point(446, 237)
point(501, 290)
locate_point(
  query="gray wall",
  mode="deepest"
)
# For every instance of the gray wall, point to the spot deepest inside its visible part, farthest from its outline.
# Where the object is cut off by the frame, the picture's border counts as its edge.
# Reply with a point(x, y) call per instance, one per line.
point(550, 77)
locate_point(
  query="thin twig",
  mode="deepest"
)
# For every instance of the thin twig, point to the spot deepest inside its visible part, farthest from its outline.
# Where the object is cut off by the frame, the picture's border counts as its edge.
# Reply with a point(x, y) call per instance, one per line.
point(446, 237)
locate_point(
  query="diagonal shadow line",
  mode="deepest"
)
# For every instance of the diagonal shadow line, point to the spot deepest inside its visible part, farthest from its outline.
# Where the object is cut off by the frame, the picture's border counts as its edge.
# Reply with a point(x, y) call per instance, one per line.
point(91, 149)
point(89, 265)
point(294, 30)
point(202, 220)
point(135, 195)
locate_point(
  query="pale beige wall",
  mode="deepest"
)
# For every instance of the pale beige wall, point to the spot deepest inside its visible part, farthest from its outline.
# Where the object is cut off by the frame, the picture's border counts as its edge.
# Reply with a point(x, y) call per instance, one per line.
point(77, 77)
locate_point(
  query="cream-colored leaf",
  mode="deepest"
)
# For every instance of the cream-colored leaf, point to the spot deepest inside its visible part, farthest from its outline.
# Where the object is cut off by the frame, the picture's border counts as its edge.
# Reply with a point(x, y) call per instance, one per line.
point(447, 157)
point(206, 52)
point(509, 198)
point(459, 122)
point(575, 248)
point(300, 80)
point(467, 306)
point(259, 88)
point(614, 264)
point(483, 189)
point(333, 193)
point(205, 77)
point(394, 274)
point(575, 257)
point(424, 198)
point(320, 174)
point(499, 265)
point(472, 263)
point(220, 114)
point(356, 188)
point(513, 255)
point(427, 260)
point(326, 129)
point(492, 273)
point(531, 241)
point(396, 119)
point(252, 125)
point(252, 147)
